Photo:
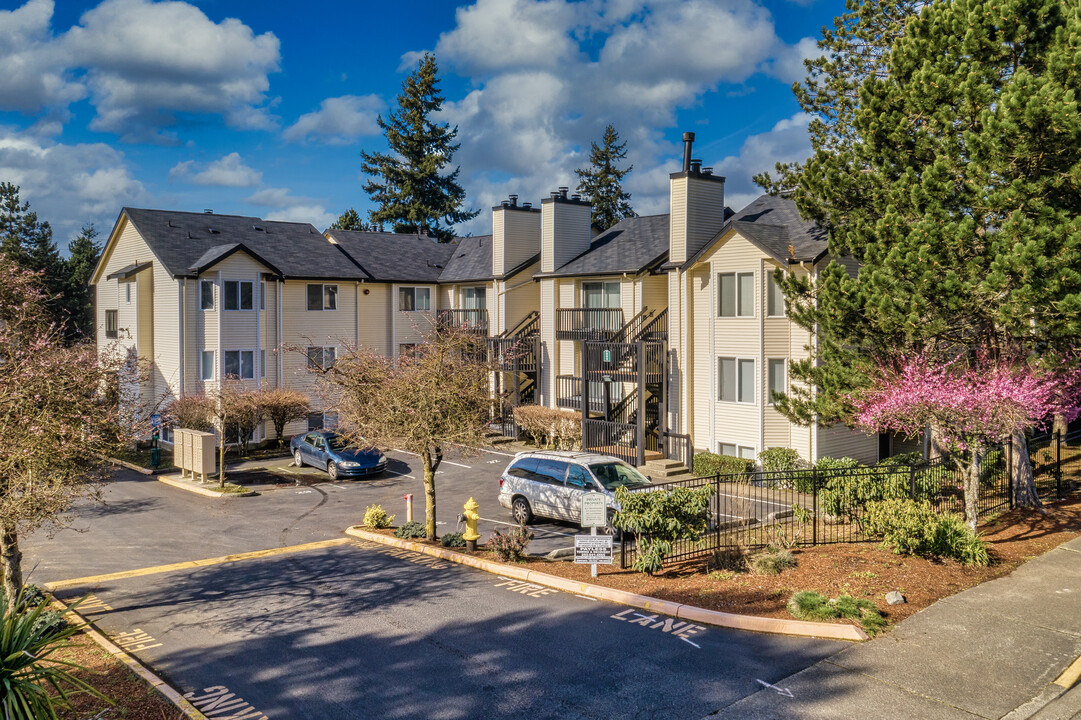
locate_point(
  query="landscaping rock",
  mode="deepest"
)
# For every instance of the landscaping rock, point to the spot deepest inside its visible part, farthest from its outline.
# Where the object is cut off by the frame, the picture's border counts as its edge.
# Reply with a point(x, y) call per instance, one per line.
point(895, 598)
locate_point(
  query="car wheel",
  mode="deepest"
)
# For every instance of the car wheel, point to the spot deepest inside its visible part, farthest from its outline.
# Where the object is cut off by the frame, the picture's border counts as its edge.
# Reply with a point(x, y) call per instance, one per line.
point(332, 470)
point(521, 511)
point(298, 459)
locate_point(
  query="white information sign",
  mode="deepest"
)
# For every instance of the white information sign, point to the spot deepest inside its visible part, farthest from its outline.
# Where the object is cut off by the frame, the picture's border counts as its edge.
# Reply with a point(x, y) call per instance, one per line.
point(594, 510)
point(593, 549)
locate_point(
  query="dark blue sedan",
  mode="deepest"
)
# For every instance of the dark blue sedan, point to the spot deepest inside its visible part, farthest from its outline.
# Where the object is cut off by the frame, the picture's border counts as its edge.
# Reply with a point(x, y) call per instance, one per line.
point(333, 453)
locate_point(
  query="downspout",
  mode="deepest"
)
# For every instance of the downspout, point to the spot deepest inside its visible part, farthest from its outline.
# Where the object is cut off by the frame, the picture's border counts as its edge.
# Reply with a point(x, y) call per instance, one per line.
point(356, 314)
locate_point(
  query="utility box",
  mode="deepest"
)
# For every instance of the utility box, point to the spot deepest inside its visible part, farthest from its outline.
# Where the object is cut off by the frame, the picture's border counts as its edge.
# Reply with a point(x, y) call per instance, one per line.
point(194, 452)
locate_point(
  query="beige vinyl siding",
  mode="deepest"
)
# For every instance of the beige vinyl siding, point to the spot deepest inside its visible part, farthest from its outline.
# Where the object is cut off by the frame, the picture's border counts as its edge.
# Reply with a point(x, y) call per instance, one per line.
point(410, 327)
point(849, 264)
point(448, 297)
point(548, 294)
point(700, 360)
point(678, 393)
point(200, 333)
point(166, 333)
point(840, 441)
point(238, 327)
point(900, 444)
point(521, 297)
point(677, 233)
point(129, 248)
point(498, 232)
point(569, 297)
point(705, 212)
point(655, 292)
point(521, 235)
point(374, 318)
point(304, 328)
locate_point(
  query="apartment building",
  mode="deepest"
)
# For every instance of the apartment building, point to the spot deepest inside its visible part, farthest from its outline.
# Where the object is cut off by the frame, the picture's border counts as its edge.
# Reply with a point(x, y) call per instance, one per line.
point(666, 332)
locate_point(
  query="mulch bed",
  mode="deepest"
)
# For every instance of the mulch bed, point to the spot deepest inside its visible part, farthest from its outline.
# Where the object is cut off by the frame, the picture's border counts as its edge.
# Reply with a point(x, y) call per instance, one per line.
point(132, 696)
point(863, 570)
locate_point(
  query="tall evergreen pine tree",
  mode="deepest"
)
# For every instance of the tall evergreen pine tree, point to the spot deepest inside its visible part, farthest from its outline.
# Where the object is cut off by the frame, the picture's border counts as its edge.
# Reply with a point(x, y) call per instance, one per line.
point(406, 184)
point(84, 252)
point(29, 242)
point(602, 181)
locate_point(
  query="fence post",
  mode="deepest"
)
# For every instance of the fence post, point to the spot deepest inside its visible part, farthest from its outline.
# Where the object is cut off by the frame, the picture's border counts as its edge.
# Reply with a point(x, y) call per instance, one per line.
point(640, 430)
point(814, 502)
point(1009, 472)
point(1058, 464)
point(912, 482)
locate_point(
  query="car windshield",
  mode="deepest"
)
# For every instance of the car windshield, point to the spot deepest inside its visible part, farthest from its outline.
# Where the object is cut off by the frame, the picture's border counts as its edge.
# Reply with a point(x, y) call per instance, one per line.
point(337, 442)
point(616, 474)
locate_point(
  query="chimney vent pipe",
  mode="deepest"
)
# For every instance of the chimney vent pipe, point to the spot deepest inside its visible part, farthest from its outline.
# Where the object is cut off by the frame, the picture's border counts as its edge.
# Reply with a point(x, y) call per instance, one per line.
point(688, 140)
point(563, 193)
point(707, 171)
point(513, 200)
point(576, 197)
point(208, 211)
point(527, 206)
point(696, 166)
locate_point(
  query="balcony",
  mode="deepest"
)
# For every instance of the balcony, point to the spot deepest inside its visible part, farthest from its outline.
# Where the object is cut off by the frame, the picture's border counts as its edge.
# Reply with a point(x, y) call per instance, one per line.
point(569, 394)
point(588, 323)
point(471, 321)
point(626, 362)
point(514, 353)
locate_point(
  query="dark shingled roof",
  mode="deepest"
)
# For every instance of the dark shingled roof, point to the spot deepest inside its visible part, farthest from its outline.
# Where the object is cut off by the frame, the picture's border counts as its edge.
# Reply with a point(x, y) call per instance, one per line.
point(773, 223)
point(471, 261)
point(394, 257)
point(183, 240)
point(128, 270)
point(630, 246)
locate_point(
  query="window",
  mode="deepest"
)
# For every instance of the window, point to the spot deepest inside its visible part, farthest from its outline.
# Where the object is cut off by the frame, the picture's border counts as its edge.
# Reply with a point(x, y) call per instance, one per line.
point(551, 471)
point(321, 358)
point(238, 294)
point(206, 365)
point(778, 378)
point(735, 380)
point(774, 297)
point(406, 349)
point(262, 363)
point(736, 291)
point(206, 294)
point(322, 421)
point(240, 364)
point(601, 294)
point(315, 422)
point(473, 298)
point(525, 468)
point(411, 299)
point(579, 477)
point(262, 296)
point(740, 451)
point(112, 329)
point(127, 292)
point(322, 297)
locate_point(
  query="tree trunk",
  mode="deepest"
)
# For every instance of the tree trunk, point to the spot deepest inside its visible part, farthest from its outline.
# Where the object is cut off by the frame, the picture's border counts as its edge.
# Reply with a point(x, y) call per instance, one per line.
point(221, 457)
point(1059, 426)
point(1022, 483)
point(971, 474)
point(11, 561)
point(430, 465)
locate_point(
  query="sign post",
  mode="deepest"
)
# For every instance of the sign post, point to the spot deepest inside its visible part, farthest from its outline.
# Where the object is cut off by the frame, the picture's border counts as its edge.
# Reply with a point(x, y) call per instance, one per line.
point(593, 549)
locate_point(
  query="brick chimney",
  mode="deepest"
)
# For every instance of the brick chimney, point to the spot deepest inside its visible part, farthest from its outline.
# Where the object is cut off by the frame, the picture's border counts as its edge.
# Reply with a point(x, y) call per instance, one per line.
point(565, 229)
point(516, 232)
point(697, 206)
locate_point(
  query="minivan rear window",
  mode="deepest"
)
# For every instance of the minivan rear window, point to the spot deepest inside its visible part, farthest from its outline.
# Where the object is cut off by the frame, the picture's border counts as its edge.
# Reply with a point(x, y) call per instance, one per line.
point(552, 471)
point(524, 468)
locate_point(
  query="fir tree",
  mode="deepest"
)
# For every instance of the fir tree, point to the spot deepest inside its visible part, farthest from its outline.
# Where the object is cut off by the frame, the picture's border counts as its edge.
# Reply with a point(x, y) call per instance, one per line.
point(349, 220)
point(28, 242)
point(959, 193)
point(406, 184)
point(84, 252)
point(602, 181)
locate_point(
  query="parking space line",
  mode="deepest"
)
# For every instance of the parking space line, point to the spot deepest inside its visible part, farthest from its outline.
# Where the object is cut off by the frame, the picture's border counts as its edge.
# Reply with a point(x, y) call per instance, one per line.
point(441, 462)
point(158, 569)
point(537, 529)
point(391, 472)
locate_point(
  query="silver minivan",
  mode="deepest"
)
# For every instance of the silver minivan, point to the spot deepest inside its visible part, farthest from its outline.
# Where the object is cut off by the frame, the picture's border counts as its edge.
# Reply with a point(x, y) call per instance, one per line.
point(550, 483)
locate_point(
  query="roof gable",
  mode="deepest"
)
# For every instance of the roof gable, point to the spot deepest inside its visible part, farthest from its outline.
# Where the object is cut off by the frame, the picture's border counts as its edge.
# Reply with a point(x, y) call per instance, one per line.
point(632, 245)
point(394, 257)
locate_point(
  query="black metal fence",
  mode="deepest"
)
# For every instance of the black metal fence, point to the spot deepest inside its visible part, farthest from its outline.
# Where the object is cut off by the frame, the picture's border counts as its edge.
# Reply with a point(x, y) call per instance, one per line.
point(802, 508)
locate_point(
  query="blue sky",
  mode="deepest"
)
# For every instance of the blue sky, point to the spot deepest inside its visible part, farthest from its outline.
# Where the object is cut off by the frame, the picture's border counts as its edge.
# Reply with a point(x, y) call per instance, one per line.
point(261, 108)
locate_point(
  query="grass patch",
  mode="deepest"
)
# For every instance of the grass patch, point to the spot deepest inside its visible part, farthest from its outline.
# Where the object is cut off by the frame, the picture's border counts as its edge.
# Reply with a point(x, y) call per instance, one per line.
point(810, 605)
point(229, 489)
point(772, 562)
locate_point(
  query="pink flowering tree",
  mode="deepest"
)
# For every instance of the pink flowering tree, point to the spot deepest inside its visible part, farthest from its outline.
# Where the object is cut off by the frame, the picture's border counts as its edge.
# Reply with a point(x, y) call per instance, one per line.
point(972, 406)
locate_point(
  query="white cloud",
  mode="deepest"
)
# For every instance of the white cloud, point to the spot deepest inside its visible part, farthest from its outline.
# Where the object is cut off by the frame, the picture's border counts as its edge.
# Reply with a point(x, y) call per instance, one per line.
point(69, 185)
point(786, 141)
point(291, 208)
point(34, 74)
point(143, 65)
point(338, 121)
point(548, 75)
point(788, 65)
point(228, 171)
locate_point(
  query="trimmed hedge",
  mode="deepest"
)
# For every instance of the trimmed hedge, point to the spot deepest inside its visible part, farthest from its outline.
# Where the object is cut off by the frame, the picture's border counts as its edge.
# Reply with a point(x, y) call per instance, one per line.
point(913, 528)
point(707, 463)
point(549, 426)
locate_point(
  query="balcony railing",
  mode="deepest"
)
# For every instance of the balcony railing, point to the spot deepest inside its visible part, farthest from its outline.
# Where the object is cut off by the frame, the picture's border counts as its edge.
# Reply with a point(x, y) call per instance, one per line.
point(569, 394)
point(474, 321)
point(620, 361)
point(588, 323)
point(514, 353)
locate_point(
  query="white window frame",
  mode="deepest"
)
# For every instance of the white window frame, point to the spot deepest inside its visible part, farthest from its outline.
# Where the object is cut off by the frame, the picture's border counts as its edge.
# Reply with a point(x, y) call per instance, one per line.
point(321, 365)
point(262, 362)
point(738, 309)
point(770, 364)
point(772, 285)
point(262, 294)
point(605, 295)
point(739, 451)
point(127, 292)
point(414, 289)
point(202, 366)
point(239, 362)
point(239, 307)
point(739, 366)
point(323, 297)
point(202, 285)
point(114, 333)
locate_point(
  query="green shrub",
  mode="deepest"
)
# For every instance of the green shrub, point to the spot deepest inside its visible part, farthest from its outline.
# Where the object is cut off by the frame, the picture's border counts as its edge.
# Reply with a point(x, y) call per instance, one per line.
point(913, 528)
point(905, 459)
point(992, 467)
point(810, 605)
point(452, 540)
point(772, 562)
point(707, 463)
point(729, 557)
point(509, 546)
point(376, 517)
point(659, 518)
point(411, 529)
point(780, 459)
point(550, 426)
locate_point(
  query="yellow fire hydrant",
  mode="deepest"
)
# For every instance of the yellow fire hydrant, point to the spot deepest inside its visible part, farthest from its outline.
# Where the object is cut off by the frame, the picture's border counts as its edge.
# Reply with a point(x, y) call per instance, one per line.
point(471, 517)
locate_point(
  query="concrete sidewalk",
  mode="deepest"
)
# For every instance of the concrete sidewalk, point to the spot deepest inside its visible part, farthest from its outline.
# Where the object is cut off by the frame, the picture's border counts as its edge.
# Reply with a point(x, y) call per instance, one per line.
point(992, 651)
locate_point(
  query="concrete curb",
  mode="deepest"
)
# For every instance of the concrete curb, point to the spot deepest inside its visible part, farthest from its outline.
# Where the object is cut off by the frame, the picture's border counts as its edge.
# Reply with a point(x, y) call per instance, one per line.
point(752, 623)
point(137, 667)
point(192, 488)
point(132, 466)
